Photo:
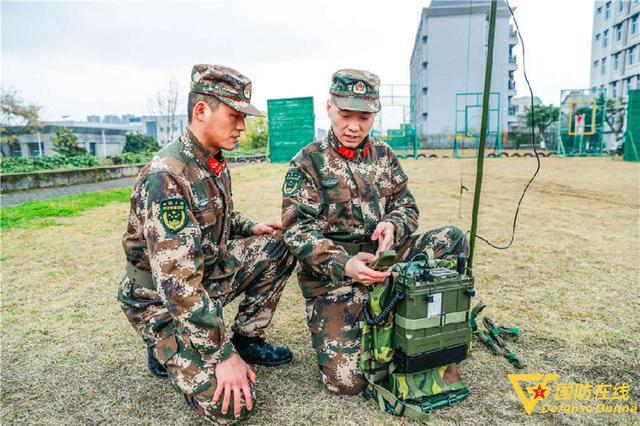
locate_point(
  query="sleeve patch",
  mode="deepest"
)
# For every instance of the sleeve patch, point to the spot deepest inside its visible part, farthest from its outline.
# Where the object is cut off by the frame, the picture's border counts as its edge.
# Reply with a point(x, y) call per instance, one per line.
point(173, 214)
point(291, 183)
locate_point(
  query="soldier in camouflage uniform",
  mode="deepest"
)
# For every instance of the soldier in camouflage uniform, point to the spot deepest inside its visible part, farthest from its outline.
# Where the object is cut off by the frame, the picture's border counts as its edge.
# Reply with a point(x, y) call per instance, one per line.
point(345, 198)
point(189, 253)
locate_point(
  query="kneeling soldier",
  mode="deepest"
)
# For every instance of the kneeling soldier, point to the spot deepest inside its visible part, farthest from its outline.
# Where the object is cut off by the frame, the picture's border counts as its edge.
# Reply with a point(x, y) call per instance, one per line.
point(345, 199)
point(189, 254)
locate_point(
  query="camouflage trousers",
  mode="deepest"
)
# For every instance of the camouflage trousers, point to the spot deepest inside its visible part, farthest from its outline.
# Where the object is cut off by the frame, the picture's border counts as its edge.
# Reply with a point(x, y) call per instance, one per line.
point(265, 265)
point(334, 318)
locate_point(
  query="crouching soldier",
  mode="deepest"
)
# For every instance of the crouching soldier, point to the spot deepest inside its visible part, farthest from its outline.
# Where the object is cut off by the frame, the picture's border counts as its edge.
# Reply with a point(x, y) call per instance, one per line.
point(189, 253)
point(345, 199)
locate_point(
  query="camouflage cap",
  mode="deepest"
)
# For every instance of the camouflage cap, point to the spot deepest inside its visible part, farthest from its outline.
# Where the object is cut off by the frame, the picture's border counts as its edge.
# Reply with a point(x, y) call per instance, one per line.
point(355, 90)
point(226, 84)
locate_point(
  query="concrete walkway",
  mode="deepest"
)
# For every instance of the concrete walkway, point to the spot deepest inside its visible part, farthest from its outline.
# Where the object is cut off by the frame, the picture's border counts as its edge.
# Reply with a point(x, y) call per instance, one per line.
point(21, 197)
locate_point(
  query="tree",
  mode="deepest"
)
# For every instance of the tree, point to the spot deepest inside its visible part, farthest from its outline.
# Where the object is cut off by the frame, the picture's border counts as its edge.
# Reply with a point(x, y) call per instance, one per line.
point(615, 117)
point(16, 112)
point(544, 116)
point(66, 143)
point(137, 142)
point(164, 108)
point(256, 134)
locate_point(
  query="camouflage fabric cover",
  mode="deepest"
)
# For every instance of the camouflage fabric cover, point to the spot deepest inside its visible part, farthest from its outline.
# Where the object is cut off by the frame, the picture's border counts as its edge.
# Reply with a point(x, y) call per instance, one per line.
point(227, 84)
point(355, 90)
point(331, 198)
point(201, 254)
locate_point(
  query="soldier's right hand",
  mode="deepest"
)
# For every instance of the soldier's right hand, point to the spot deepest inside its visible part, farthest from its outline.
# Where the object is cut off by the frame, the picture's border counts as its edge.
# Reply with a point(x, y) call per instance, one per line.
point(357, 268)
point(233, 376)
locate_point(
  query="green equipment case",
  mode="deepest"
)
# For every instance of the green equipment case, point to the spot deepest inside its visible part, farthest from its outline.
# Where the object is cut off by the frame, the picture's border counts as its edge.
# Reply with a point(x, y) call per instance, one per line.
point(431, 321)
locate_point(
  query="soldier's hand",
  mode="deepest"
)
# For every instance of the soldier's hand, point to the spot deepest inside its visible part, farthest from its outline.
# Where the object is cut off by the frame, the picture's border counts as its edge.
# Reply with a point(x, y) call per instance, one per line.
point(268, 227)
point(233, 376)
point(357, 268)
point(384, 233)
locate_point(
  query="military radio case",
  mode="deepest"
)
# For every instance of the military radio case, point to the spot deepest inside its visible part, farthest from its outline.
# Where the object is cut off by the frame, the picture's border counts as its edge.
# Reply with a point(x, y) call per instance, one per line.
point(431, 321)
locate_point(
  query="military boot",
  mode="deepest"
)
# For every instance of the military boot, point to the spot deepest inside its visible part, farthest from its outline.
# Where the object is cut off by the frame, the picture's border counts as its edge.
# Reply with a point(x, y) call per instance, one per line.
point(155, 368)
point(254, 350)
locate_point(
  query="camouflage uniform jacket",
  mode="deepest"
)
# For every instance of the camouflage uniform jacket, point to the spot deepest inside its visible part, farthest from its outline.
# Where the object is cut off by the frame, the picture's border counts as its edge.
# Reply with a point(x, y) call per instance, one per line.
point(187, 264)
point(329, 197)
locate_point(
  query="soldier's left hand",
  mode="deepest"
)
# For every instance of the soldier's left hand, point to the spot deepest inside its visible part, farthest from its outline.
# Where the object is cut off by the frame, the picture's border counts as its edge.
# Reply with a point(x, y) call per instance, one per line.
point(384, 233)
point(268, 227)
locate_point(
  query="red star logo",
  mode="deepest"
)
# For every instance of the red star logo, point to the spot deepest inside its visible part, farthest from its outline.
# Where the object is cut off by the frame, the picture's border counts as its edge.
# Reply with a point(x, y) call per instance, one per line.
point(539, 392)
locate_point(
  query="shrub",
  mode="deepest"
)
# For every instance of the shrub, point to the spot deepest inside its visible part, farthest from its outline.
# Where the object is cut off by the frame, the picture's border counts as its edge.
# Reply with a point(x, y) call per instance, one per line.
point(45, 162)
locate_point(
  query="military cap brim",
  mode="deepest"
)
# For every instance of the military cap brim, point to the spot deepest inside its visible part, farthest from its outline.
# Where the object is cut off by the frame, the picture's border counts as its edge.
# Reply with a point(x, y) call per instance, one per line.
point(241, 106)
point(356, 104)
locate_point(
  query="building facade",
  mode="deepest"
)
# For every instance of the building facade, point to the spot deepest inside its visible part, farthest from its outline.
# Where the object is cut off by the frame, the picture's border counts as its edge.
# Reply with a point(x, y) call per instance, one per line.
point(100, 140)
point(449, 58)
point(163, 128)
point(522, 106)
point(615, 47)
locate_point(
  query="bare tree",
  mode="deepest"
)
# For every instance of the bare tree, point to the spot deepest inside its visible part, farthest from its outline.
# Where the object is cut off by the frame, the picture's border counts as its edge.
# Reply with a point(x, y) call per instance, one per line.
point(16, 112)
point(164, 107)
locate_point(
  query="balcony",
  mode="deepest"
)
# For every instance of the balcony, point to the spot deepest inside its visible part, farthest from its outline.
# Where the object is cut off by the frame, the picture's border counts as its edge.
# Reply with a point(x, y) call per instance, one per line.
point(513, 36)
point(512, 85)
point(513, 110)
point(513, 65)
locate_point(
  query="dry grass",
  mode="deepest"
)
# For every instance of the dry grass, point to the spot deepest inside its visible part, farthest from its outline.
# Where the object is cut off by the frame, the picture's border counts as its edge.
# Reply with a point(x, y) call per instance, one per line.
point(570, 281)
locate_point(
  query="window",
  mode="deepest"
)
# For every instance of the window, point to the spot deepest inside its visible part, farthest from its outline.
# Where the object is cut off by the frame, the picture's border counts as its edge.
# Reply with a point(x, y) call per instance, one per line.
point(34, 149)
point(631, 56)
point(607, 10)
point(599, 10)
point(603, 66)
point(424, 38)
point(92, 148)
point(595, 63)
point(629, 85)
point(598, 37)
point(634, 24)
point(424, 65)
point(424, 90)
point(16, 150)
point(620, 5)
point(618, 32)
point(616, 61)
point(605, 38)
point(614, 90)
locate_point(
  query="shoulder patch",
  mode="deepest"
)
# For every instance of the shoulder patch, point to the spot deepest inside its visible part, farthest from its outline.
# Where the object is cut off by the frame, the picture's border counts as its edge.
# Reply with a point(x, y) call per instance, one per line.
point(173, 214)
point(291, 183)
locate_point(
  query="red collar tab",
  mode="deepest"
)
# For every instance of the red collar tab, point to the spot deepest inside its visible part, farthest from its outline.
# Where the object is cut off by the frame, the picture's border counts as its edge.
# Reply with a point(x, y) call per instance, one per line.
point(347, 152)
point(350, 153)
point(216, 166)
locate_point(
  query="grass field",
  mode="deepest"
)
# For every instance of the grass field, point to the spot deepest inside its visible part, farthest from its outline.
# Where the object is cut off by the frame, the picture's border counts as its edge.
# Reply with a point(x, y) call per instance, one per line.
point(570, 282)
